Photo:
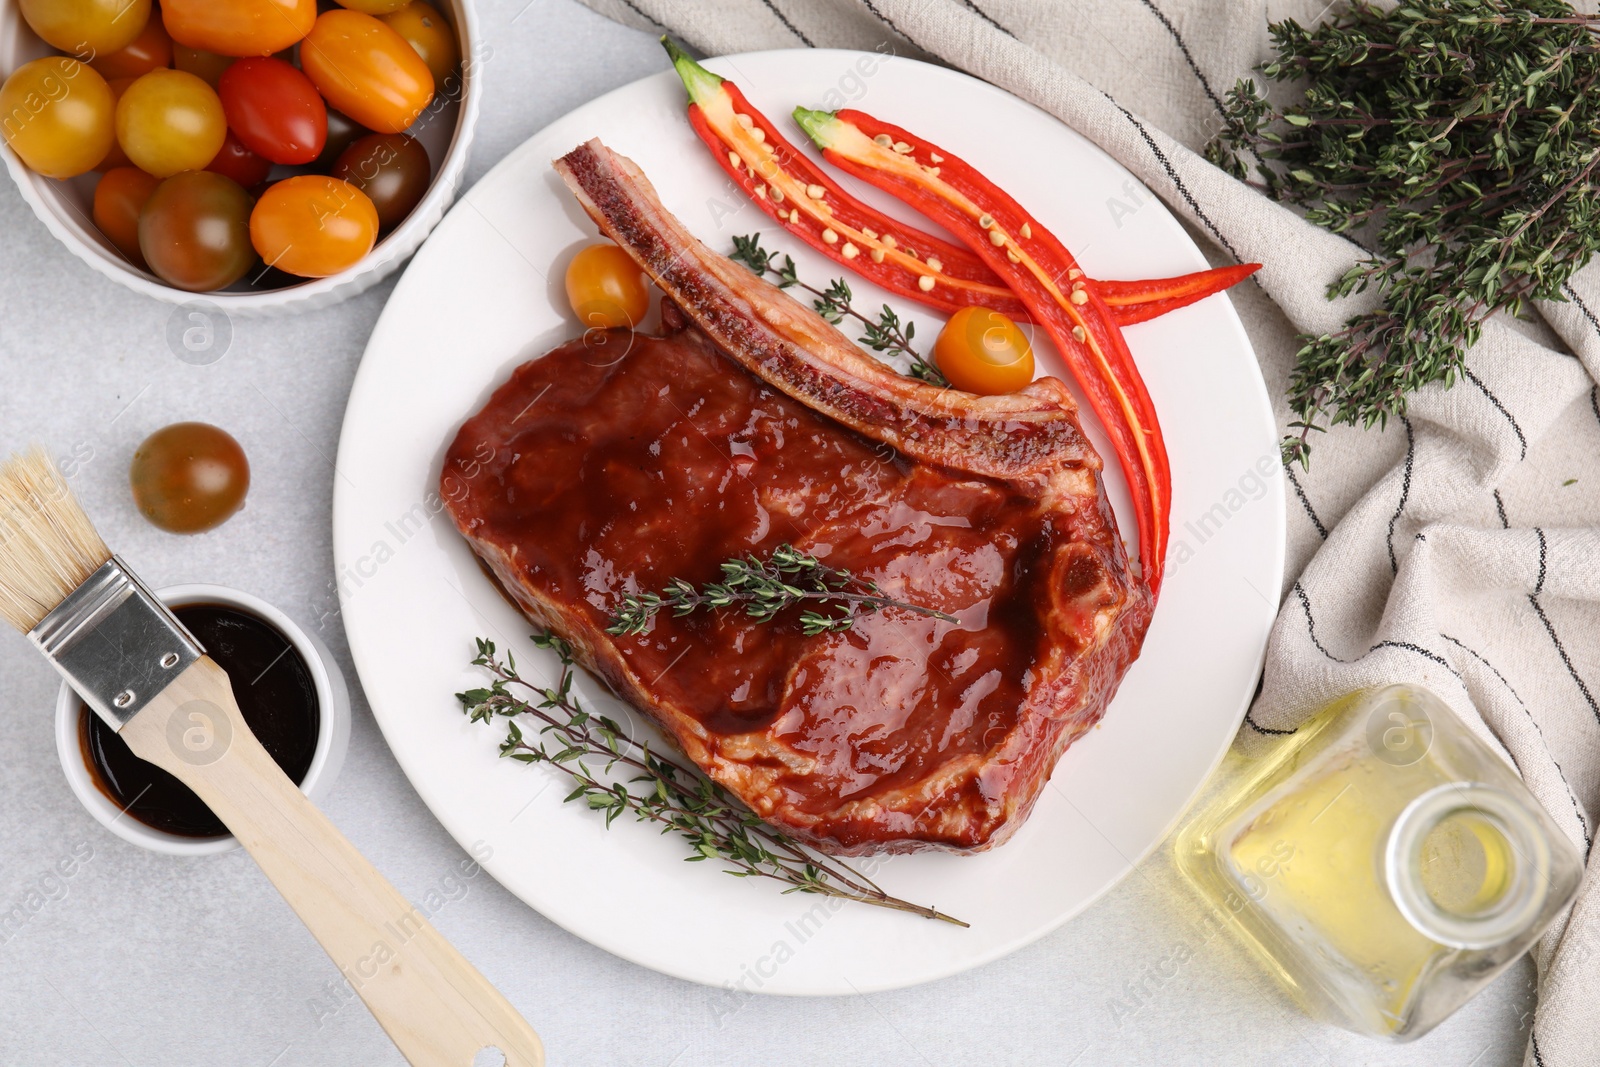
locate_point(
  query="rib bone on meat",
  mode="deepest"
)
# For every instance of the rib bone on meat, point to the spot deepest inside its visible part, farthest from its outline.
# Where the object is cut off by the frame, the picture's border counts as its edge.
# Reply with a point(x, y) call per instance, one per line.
point(618, 462)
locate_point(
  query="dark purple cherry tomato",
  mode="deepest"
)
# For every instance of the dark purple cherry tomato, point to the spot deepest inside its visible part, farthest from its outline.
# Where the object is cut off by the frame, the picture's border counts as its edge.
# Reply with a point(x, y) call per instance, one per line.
point(189, 477)
point(273, 109)
point(234, 160)
point(391, 168)
point(194, 231)
point(342, 129)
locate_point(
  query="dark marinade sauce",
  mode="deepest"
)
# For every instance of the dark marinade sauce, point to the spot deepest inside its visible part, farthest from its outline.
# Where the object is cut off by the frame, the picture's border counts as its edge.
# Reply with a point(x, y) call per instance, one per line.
point(276, 695)
point(601, 476)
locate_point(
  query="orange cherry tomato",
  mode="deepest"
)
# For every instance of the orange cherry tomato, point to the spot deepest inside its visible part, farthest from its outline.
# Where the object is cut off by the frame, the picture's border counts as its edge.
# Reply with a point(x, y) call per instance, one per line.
point(57, 116)
point(207, 66)
point(118, 198)
point(313, 225)
point(239, 27)
point(86, 28)
point(151, 50)
point(426, 31)
point(982, 351)
point(169, 121)
point(606, 288)
point(366, 70)
point(373, 7)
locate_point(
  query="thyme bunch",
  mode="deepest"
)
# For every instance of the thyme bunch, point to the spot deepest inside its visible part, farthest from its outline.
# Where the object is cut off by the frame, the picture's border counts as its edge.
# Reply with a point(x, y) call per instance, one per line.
point(884, 334)
point(1459, 140)
point(763, 588)
point(630, 778)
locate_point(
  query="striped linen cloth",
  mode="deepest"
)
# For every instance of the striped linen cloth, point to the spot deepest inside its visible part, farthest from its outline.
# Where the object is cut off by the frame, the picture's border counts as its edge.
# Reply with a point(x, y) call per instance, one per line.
point(1457, 548)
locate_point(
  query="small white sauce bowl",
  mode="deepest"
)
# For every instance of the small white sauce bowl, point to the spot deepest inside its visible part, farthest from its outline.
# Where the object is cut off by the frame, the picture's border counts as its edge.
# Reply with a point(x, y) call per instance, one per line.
point(445, 130)
point(333, 728)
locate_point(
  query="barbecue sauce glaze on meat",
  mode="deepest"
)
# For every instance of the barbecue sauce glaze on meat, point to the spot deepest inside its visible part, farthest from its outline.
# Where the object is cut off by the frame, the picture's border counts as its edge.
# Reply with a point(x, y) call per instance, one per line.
point(618, 462)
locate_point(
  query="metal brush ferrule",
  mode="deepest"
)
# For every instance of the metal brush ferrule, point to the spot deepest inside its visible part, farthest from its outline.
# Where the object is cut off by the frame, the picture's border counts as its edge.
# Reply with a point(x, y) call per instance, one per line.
point(115, 643)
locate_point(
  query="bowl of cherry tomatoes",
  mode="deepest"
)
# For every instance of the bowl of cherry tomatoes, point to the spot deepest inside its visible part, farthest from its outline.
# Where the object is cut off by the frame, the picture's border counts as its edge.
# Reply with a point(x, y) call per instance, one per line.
point(268, 154)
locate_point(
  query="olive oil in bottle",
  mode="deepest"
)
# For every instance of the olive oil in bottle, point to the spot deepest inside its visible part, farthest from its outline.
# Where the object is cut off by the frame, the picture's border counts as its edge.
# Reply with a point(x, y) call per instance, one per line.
point(1384, 862)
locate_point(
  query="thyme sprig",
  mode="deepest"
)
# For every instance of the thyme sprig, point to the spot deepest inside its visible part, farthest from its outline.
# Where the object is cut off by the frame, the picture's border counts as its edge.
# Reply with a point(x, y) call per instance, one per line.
point(1459, 140)
point(628, 777)
point(885, 334)
point(763, 588)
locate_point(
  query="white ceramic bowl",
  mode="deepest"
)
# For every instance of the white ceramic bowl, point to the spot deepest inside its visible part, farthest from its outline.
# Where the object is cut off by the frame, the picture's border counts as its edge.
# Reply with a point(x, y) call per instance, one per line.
point(445, 130)
point(333, 729)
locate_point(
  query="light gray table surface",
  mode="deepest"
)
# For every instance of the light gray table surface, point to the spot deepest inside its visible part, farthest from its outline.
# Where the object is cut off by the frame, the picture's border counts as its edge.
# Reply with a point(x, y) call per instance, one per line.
point(148, 960)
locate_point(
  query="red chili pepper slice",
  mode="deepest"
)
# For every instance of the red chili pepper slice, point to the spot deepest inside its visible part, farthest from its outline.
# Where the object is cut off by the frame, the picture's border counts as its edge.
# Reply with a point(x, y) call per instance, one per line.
point(782, 182)
point(780, 179)
point(1132, 302)
point(1042, 273)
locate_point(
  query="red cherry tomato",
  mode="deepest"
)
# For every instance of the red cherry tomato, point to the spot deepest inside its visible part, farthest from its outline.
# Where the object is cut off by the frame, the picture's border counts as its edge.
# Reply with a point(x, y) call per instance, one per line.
point(274, 110)
point(239, 27)
point(151, 50)
point(234, 160)
point(367, 70)
point(119, 196)
point(313, 225)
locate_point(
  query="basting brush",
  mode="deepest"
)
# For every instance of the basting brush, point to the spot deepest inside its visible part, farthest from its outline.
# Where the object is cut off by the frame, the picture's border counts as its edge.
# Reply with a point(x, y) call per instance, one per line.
point(141, 671)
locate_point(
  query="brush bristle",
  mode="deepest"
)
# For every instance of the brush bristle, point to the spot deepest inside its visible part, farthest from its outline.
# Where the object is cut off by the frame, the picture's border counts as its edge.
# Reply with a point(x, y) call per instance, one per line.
point(48, 546)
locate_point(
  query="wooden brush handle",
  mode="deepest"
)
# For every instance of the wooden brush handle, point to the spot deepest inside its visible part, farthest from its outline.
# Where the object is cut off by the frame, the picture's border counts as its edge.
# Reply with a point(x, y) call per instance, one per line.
point(434, 1005)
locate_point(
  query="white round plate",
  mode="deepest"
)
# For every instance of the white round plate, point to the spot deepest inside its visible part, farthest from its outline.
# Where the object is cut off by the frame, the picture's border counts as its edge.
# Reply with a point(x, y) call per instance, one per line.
point(485, 294)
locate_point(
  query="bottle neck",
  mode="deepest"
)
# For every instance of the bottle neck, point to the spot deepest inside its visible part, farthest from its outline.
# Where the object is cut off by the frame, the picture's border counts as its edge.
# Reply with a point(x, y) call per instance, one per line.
point(1467, 865)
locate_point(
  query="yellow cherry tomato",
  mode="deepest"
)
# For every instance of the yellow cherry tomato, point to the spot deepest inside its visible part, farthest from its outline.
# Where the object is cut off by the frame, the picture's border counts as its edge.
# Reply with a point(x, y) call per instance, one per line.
point(606, 288)
point(170, 121)
point(427, 32)
point(313, 225)
point(366, 70)
point(373, 7)
point(86, 28)
point(982, 351)
point(57, 116)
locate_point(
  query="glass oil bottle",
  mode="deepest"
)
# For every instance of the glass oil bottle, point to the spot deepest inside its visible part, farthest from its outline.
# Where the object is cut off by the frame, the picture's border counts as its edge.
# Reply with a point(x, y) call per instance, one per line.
point(1384, 863)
